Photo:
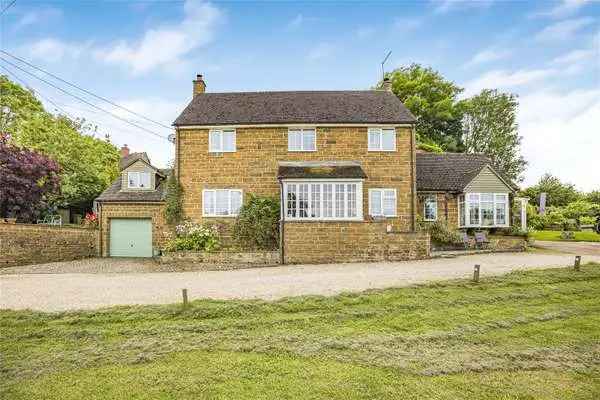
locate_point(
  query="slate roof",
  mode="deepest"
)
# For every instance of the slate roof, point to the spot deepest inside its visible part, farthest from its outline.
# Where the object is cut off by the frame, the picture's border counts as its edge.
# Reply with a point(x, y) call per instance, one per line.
point(321, 170)
point(450, 172)
point(299, 107)
point(131, 158)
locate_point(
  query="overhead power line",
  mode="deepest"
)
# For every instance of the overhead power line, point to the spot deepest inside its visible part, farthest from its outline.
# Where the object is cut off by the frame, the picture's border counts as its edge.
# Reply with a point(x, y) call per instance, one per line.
point(84, 90)
point(84, 100)
point(8, 6)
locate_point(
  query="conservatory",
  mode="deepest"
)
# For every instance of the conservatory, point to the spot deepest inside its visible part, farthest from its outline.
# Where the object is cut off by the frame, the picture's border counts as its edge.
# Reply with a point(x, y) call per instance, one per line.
point(483, 210)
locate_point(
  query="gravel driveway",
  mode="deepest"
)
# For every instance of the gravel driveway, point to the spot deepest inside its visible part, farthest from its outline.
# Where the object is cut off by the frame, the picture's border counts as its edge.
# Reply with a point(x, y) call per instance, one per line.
point(69, 291)
point(581, 248)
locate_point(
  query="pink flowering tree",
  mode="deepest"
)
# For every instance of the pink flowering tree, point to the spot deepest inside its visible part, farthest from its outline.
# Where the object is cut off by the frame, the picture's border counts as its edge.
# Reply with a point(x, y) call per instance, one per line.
point(27, 180)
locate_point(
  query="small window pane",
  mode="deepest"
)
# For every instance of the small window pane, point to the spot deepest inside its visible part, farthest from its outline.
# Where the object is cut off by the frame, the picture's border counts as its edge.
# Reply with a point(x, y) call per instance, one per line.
point(461, 210)
point(430, 210)
point(351, 200)
point(222, 206)
point(294, 140)
point(315, 201)
point(236, 201)
point(487, 213)
point(375, 202)
point(327, 200)
point(291, 200)
point(339, 201)
point(473, 197)
point(388, 141)
point(473, 213)
point(228, 140)
point(308, 140)
point(487, 197)
point(209, 203)
point(374, 139)
point(144, 180)
point(303, 200)
point(215, 141)
point(389, 202)
point(134, 179)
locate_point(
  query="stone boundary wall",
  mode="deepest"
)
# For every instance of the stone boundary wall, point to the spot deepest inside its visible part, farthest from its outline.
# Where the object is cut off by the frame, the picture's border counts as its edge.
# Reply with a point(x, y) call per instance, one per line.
point(497, 243)
point(23, 244)
point(221, 260)
point(335, 242)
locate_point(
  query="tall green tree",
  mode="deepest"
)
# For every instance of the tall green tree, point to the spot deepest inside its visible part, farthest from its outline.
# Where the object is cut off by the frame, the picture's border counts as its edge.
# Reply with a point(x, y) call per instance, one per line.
point(87, 164)
point(490, 127)
point(433, 101)
point(557, 193)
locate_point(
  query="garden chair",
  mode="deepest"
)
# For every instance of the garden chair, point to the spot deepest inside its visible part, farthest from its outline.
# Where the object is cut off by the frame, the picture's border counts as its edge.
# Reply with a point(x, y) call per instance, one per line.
point(481, 240)
point(466, 240)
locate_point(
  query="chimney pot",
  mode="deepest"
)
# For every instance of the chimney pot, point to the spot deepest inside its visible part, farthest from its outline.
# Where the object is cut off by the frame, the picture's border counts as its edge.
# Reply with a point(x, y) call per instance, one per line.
point(387, 84)
point(199, 85)
point(124, 151)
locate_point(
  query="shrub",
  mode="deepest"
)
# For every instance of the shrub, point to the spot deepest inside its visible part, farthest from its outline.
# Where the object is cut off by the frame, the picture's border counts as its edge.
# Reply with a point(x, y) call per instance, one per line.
point(567, 235)
point(173, 211)
point(195, 237)
point(440, 232)
point(257, 225)
point(90, 220)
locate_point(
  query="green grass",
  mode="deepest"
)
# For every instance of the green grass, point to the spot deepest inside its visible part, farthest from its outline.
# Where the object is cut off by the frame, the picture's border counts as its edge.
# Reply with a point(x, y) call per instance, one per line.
point(526, 335)
point(555, 236)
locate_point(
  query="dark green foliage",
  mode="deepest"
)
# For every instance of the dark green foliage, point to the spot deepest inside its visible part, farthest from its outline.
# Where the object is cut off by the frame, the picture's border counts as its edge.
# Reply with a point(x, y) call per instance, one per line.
point(433, 100)
point(257, 225)
point(173, 209)
point(441, 232)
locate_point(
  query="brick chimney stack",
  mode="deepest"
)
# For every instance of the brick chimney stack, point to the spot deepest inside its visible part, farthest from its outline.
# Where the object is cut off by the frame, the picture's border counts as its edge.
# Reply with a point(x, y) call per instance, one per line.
point(124, 151)
point(199, 85)
point(387, 84)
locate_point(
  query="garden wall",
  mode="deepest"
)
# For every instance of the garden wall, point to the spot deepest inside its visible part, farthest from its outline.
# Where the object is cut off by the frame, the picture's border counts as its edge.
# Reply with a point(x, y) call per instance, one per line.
point(22, 244)
point(221, 260)
point(333, 242)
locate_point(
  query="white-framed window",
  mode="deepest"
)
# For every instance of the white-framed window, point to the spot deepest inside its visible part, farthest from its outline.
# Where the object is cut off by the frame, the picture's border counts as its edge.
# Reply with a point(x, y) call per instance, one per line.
point(323, 200)
point(138, 180)
point(302, 139)
point(483, 210)
point(221, 141)
point(430, 208)
point(382, 139)
point(221, 202)
point(382, 202)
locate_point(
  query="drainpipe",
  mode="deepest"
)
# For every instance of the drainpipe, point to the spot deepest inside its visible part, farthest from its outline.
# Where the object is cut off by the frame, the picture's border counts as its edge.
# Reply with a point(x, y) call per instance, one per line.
point(412, 180)
point(100, 220)
point(281, 224)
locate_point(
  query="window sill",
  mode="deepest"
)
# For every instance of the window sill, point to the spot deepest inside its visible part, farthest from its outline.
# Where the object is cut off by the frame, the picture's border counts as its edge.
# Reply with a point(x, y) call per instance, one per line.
point(383, 151)
point(218, 216)
point(302, 151)
point(430, 220)
point(323, 220)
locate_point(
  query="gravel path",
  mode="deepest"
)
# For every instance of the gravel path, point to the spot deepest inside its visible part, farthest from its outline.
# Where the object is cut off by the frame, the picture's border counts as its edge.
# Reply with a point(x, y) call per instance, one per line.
point(69, 291)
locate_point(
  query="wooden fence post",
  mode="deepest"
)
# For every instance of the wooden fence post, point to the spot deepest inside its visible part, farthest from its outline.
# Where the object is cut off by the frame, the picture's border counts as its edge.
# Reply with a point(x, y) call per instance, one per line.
point(476, 273)
point(185, 297)
point(577, 262)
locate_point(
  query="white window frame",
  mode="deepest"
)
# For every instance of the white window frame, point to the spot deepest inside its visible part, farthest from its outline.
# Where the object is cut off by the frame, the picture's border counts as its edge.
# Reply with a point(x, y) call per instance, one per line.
point(425, 200)
point(229, 210)
point(219, 144)
point(302, 132)
point(383, 215)
point(139, 180)
point(359, 199)
point(379, 131)
point(464, 199)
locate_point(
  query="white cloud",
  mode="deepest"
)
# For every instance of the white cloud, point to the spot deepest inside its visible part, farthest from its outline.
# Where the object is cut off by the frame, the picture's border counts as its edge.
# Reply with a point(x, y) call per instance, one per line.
point(487, 55)
point(167, 44)
point(296, 22)
point(444, 6)
point(563, 30)
point(564, 8)
point(407, 24)
point(575, 56)
point(503, 79)
point(37, 16)
point(53, 50)
point(321, 51)
point(560, 135)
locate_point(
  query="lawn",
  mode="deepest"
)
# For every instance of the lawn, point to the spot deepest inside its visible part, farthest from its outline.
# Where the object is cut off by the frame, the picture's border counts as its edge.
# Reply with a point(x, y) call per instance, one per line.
point(555, 236)
point(526, 335)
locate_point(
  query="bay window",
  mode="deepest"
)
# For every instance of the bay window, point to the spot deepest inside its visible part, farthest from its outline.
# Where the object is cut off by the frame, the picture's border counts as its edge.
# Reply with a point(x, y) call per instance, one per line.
point(323, 200)
point(221, 202)
point(483, 209)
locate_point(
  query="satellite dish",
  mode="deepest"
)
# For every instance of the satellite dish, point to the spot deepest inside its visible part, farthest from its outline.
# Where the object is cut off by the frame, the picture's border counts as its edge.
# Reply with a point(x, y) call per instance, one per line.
point(171, 138)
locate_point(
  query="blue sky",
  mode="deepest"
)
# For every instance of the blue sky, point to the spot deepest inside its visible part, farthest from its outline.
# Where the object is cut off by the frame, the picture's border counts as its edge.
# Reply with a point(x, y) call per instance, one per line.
point(144, 55)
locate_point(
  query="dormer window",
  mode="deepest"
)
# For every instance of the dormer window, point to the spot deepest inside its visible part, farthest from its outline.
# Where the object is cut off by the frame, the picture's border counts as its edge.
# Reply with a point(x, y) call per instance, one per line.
point(138, 180)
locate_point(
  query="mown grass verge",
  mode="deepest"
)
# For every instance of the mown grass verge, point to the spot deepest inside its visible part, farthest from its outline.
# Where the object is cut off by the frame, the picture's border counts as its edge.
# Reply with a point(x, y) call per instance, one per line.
point(532, 334)
point(555, 236)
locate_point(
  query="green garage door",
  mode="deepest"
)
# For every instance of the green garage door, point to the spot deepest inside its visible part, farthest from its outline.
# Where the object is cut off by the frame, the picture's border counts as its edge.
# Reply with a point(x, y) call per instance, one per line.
point(130, 238)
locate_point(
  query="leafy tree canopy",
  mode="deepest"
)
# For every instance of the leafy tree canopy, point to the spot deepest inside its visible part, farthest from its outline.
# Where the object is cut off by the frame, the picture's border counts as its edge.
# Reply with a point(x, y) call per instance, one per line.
point(88, 164)
point(557, 192)
point(433, 101)
point(490, 127)
point(27, 180)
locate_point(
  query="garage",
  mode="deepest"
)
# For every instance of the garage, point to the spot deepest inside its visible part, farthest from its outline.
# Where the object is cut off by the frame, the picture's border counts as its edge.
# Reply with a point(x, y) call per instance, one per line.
point(130, 237)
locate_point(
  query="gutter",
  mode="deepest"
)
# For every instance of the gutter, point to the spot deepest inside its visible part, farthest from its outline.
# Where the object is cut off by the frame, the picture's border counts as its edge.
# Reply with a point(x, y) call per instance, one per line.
point(281, 224)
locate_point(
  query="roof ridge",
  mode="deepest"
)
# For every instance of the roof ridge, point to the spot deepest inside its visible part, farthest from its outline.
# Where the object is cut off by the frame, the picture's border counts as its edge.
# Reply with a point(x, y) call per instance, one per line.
point(302, 91)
